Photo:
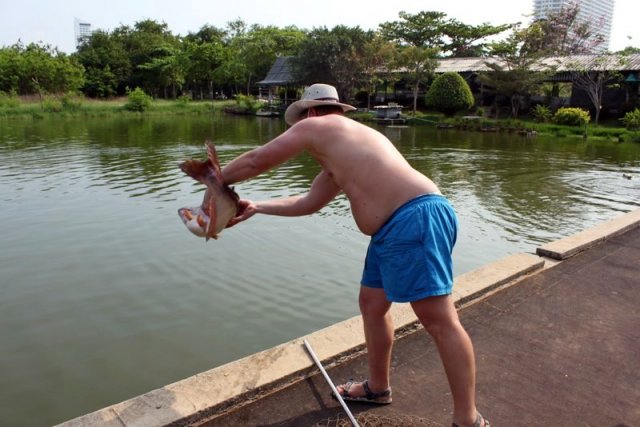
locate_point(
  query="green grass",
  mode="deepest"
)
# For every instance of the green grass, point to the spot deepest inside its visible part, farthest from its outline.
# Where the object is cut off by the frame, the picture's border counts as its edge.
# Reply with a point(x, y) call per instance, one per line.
point(83, 107)
point(610, 130)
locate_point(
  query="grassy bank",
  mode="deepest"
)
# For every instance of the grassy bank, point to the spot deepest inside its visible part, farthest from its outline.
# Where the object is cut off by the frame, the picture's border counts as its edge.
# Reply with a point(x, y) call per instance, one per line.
point(33, 107)
point(613, 131)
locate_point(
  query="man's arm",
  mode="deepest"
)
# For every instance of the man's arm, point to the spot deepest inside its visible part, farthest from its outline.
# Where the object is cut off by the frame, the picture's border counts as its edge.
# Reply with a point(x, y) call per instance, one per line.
point(322, 191)
point(261, 159)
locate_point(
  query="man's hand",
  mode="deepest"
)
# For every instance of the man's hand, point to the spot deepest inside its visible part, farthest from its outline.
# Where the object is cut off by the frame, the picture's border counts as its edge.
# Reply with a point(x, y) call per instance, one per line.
point(246, 209)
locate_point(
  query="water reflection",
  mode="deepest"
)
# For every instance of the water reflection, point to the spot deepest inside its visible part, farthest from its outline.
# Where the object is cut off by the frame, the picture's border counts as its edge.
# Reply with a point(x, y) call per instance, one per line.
point(101, 284)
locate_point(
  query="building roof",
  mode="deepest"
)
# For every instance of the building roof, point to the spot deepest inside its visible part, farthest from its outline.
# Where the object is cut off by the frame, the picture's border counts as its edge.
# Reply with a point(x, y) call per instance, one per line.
point(280, 73)
point(463, 65)
point(562, 63)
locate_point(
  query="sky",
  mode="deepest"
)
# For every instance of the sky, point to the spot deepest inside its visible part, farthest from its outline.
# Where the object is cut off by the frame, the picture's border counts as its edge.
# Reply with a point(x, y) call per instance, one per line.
point(52, 21)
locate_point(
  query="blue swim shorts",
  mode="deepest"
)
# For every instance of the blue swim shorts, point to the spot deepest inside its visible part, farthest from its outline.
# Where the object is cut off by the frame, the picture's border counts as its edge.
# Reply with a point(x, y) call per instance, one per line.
point(410, 255)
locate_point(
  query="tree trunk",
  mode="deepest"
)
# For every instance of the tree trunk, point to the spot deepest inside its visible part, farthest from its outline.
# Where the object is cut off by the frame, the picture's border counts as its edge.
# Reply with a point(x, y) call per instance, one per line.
point(515, 105)
point(249, 85)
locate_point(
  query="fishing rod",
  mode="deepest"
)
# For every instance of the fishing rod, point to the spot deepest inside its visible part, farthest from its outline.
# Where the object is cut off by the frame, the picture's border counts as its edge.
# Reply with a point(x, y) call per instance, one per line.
point(333, 387)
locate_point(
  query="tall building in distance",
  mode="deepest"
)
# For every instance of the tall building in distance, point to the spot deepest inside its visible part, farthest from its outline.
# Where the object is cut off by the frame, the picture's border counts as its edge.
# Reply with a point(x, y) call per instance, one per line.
point(598, 12)
point(82, 30)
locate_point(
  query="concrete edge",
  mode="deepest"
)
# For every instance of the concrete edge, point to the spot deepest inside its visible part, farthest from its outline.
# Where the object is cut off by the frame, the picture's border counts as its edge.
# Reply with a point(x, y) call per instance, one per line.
point(480, 281)
point(213, 392)
point(570, 246)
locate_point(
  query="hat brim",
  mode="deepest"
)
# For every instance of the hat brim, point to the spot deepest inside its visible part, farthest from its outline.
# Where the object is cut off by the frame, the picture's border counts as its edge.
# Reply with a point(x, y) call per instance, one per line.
point(292, 115)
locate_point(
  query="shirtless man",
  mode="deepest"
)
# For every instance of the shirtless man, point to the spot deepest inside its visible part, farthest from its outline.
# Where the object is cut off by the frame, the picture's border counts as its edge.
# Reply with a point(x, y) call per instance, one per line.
point(410, 223)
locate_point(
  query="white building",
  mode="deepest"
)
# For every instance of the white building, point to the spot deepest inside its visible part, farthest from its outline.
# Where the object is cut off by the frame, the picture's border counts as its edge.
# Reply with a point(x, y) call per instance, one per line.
point(598, 12)
point(82, 30)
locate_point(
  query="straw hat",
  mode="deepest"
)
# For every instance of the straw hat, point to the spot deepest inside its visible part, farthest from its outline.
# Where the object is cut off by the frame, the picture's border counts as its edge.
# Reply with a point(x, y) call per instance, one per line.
point(313, 96)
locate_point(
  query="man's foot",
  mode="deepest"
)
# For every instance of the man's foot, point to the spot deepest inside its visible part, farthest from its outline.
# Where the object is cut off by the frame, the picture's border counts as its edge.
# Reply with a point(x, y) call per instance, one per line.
point(360, 392)
point(480, 422)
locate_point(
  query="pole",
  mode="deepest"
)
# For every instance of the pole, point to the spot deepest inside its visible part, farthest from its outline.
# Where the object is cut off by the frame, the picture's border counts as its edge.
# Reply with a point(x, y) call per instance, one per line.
point(333, 388)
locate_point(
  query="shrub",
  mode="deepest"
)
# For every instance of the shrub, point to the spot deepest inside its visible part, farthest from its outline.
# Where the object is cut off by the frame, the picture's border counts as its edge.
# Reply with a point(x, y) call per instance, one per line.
point(449, 94)
point(571, 117)
point(137, 100)
point(631, 120)
point(71, 102)
point(51, 104)
point(9, 100)
point(184, 100)
point(247, 103)
point(541, 113)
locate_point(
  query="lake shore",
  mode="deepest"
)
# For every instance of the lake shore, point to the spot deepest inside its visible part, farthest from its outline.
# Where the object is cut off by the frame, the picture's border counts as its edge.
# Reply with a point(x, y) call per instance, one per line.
point(34, 108)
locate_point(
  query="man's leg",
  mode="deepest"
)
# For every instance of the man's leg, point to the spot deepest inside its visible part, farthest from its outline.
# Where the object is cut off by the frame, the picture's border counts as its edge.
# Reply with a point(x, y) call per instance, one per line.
point(378, 332)
point(439, 317)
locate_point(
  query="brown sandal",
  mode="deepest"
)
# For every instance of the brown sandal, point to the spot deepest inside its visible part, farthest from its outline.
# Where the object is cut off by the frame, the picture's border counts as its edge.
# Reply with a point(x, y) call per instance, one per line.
point(478, 423)
point(378, 398)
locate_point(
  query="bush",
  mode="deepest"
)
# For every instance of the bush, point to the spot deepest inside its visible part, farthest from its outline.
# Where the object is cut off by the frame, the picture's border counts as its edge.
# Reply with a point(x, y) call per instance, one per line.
point(571, 117)
point(631, 120)
point(184, 100)
point(51, 104)
point(541, 113)
point(9, 100)
point(449, 94)
point(71, 102)
point(247, 103)
point(138, 100)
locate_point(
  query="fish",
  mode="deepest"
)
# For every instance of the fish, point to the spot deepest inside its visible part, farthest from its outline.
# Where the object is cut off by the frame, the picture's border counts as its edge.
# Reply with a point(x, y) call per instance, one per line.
point(220, 202)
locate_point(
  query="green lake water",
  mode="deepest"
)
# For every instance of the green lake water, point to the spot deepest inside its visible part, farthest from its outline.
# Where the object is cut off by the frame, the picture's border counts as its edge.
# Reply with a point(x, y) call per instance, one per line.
point(105, 295)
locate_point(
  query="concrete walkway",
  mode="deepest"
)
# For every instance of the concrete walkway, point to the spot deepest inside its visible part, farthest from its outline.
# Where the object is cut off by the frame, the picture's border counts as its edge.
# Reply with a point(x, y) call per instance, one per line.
point(560, 348)
point(557, 344)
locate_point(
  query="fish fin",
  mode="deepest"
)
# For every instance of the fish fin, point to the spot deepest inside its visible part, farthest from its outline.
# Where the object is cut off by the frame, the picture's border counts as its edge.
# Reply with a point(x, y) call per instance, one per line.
point(217, 171)
point(212, 155)
point(196, 169)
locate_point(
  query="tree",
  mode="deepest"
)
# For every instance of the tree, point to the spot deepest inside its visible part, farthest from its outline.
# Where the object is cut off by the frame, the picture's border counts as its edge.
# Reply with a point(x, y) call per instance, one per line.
point(11, 67)
point(629, 50)
point(515, 72)
point(421, 29)
point(205, 52)
point(432, 29)
point(333, 56)
point(106, 64)
point(262, 45)
point(40, 69)
point(379, 63)
point(565, 33)
point(596, 75)
point(419, 65)
point(449, 94)
point(168, 64)
point(147, 41)
point(462, 38)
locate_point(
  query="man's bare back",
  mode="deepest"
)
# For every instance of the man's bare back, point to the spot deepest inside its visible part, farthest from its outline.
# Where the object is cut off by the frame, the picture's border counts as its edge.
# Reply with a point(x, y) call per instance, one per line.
point(355, 158)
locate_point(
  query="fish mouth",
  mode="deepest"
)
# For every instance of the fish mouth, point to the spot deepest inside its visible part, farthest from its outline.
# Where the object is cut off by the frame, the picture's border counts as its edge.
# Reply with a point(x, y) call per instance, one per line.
point(196, 220)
